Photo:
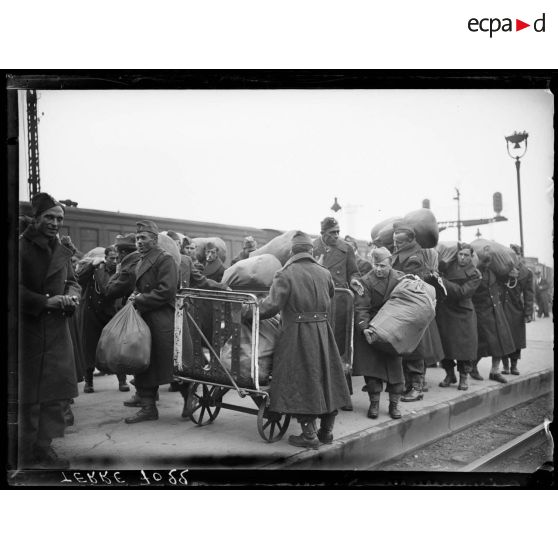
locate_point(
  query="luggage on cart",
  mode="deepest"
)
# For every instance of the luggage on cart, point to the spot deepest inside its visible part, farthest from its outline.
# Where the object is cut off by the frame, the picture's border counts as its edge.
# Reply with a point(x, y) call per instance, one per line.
point(401, 322)
point(503, 259)
point(280, 247)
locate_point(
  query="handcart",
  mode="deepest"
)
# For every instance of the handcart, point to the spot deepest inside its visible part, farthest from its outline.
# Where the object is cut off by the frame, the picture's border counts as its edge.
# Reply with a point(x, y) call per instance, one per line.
point(215, 318)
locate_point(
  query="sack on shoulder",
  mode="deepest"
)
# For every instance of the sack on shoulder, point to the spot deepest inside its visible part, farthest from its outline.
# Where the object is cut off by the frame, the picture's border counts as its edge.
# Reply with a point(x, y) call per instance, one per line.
point(125, 343)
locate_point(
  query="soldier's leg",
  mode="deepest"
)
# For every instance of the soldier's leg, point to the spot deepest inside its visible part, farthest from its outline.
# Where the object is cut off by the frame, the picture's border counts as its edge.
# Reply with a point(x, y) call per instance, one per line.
point(415, 369)
point(122, 385)
point(506, 364)
point(514, 357)
point(308, 437)
point(28, 429)
point(474, 373)
point(495, 371)
point(325, 432)
point(395, 391)
point(88, 376)
point(374, 388)
point(464, 368)
point(448, 364)
point(148, 410)
point(51, 425)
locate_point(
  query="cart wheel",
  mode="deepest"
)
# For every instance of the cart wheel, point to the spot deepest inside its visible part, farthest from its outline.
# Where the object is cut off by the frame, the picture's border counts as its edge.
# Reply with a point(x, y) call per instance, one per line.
point(203, 403)
point(271, 426)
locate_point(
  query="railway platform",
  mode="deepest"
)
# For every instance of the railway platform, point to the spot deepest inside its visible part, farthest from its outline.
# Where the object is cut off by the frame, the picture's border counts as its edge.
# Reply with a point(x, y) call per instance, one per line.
point(100, 439)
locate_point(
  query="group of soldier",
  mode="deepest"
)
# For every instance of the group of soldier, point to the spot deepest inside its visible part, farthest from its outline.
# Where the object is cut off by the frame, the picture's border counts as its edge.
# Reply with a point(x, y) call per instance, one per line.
point(478, 315)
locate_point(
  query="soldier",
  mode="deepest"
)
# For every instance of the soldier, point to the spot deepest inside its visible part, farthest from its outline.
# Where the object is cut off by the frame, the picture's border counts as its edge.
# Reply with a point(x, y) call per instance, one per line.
point(494, 336)
point(409, 257)
point(49, 295)
point(456, 317)
point(543, 295)
point(363, 265)
point(377, 366)
point(307, 380)
point(518, 307)
point(249, 244)
point(338, 257)
point(214, 268)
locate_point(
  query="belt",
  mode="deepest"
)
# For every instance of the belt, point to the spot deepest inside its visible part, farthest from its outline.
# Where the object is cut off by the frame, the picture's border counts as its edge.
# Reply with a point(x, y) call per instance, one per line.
point(305, 317)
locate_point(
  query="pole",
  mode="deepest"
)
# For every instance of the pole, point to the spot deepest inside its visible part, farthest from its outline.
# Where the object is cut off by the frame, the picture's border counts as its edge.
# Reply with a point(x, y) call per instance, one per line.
point(458, 197)
point(517, 165)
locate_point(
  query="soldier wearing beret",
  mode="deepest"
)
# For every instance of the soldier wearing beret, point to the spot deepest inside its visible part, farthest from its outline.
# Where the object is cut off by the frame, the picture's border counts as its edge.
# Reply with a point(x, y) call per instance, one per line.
point(409, 258)
point(377, 366)
point(338, 257)
point(249, 244)
point(48, 296)
point(308, 379)
point(156, 279)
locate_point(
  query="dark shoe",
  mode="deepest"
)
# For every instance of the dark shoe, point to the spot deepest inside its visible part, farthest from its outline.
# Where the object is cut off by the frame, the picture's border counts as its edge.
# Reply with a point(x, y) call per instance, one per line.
point(514, 371)
point(308, 438)
point(393, 410)
point(463, 386)
point(475, 375)
point(134, 401)
point(347, 408)
point(47, 459)
point(88, 388)
point(123, 387)
point(145, 413)
point(505, 371)
point(497, 377)
point(449, 379)
point(68, 417)
point(325, 437)
point(325, 432)
point(373, 410)
point(413, 395)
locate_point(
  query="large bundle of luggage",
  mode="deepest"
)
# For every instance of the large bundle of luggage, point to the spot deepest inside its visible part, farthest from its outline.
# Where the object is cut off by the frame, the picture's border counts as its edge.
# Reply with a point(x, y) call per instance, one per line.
point(401, 322)
point(201, 243)
point(502, 258)
point(422, 221)
point(169, 246)
point(268, 334)
point(280, 247)
point(382, 233)
point(254, 273)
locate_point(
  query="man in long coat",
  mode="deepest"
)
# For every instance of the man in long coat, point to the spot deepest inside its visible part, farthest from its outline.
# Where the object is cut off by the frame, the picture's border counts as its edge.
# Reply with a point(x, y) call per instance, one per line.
point(518, 306)
point(377, 366)
point(48, 295)
point(308, 378)
point(154, 296)
point(543, 295)
point(409, 257)
point(494, 336)
point(456, 317)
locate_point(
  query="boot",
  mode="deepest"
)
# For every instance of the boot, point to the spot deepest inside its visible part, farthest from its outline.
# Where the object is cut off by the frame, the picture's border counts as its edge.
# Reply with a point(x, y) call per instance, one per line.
point(374, 409)
point(393, 409)
point(424, 385)
point(414, 395)
point(68, 415)
point(148, 411)
point(494, 372)
point(449, 379)
point(463, 386)
point(308, 438)
point(505, 365)
point(88, 388)
point(514, 369)
point(474, 373)
point(122, 385)
point(46, 458)
point(325, 433)
point(134, 401)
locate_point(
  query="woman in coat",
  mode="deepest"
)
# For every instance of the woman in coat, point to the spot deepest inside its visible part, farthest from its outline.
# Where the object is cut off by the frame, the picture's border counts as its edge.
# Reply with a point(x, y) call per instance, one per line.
point(156, 280)
point(48, 296)
point(377, 366)
point(518, 306)
point(456, 317)
point(494, 336)
point(308, 379)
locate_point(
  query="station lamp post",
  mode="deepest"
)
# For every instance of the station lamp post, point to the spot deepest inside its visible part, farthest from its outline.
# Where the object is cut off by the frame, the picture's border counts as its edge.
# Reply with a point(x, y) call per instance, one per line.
point(517, 138)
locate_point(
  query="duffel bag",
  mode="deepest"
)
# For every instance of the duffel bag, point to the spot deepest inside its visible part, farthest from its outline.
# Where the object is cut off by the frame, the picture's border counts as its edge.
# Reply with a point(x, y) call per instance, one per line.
point(125, 343)
point(401, 322)
point(425, 226)
point(382, 233)
point(503, 259)
point(252, 273)
point(169, 246)
point(280, 247)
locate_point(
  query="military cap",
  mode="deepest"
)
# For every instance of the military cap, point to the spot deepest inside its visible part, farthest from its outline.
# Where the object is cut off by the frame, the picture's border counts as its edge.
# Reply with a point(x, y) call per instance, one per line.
point(380, 254)
point(126, 241)
point(43, 201)
point(329, 224)
point(210, 246)
point(464, 246)
point(147, 226)
point(402, 226)
point(249, 242)
point(301, 239)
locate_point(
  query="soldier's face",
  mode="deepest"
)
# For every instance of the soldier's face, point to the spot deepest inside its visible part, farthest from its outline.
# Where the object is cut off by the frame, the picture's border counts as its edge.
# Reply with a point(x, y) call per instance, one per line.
point(401, 239)
point(330, 237)
point(464, 257)
point(49, 222)
point(111, 260)
point(381, 269)
point(211, 255)
point(190, 250)
point(145, 241)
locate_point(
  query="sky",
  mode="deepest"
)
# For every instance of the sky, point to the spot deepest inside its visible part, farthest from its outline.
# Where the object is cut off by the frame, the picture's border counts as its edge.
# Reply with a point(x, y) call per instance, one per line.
point(277, 159)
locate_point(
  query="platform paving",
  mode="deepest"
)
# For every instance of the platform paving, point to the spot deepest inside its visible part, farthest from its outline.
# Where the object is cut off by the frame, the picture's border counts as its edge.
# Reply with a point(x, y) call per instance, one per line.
point(100, 439)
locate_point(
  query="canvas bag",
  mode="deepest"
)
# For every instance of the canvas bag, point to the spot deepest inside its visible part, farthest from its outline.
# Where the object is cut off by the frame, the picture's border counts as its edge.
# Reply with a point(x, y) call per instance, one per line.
point(125, 343)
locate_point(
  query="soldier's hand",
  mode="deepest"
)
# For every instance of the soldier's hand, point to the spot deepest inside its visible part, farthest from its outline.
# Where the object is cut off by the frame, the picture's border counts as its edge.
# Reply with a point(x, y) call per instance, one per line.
point(357, 286)
point(224, 287)
point(369, 335)
point(62, 302)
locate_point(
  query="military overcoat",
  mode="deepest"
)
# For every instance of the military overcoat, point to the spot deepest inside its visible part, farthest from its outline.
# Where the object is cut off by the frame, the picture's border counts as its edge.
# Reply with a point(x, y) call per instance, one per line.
point(156, 283)
point(455, 313)
point(308, 376)
point(46, 354)
point(494, 334)
point(367, 360)
point(214, 270)
point(518, 304)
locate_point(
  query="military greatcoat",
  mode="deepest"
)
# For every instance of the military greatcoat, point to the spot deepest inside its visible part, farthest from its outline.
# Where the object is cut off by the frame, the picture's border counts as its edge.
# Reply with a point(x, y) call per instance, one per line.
point(455, 314)
point(308, 376)
point(518, 304)
point(46, 354)
point(367, 360)
point(156, 282)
